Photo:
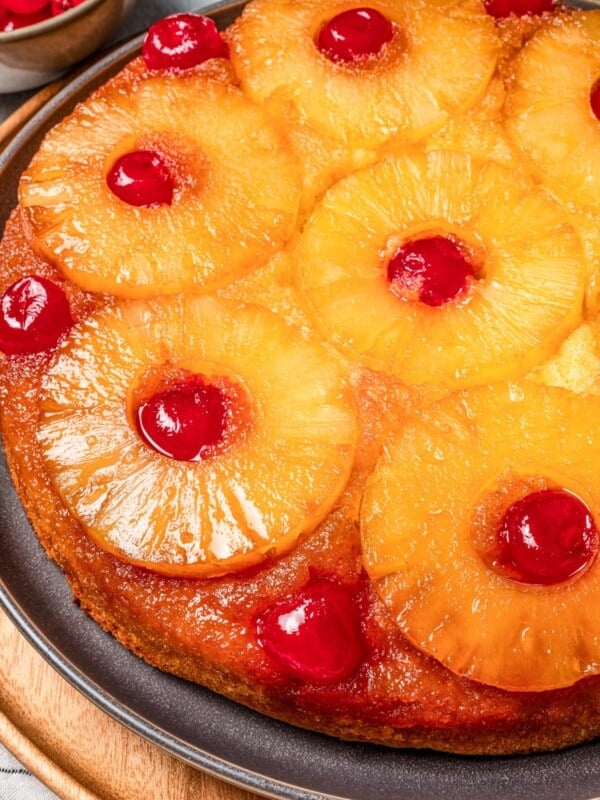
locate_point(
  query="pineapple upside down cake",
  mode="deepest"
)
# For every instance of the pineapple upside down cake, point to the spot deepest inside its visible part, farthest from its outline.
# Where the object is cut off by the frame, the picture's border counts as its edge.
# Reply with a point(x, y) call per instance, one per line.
point(300, 378)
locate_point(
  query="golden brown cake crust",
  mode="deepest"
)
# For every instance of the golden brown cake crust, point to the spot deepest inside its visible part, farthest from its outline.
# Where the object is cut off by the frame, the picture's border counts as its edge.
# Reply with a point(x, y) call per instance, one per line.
point(204, 631)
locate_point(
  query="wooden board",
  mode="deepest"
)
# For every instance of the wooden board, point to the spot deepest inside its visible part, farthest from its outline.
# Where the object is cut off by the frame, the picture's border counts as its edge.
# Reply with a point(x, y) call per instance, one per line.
point(61, 737)
point(11, 125)
point(77, 749)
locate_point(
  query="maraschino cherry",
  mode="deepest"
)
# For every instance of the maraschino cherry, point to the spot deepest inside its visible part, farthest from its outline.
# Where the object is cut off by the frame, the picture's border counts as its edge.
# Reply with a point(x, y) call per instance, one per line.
point(60, 6)
point(24, 6)
point(141, 178)
point(354, 34)
point(13, 20)
point(15, 14)
point(34, 315)
point(433, 270)
point(547, 537)
point(595, 99)
point(186, 421)
point(518, 8)
point(182, 41)
point(314, 635)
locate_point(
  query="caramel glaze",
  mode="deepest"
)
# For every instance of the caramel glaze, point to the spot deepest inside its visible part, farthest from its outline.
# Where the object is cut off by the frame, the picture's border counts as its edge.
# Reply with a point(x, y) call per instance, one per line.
point(204, 630)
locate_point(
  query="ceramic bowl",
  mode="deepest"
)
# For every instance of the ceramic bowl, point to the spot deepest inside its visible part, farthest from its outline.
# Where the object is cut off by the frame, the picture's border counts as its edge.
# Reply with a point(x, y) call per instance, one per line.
point(39, 53)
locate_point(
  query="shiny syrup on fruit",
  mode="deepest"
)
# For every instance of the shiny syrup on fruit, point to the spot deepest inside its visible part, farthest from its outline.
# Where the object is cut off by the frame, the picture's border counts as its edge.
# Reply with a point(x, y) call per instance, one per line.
point(141, 178)
point(314, 635)
point(547, 537)
point(182, 41)
point(186, 421)
point(34, 315)
point(354, 34)
point(433, 270)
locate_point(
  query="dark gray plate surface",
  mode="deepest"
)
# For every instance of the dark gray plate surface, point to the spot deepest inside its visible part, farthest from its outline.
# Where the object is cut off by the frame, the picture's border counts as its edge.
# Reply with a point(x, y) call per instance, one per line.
point(205, 730)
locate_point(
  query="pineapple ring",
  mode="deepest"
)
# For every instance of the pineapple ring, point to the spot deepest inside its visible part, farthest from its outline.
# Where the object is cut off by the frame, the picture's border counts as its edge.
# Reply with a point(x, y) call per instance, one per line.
point(235, 202)
point(407, 91)
point(417, 533)
point(527, 298)
point(553, 77)
point(253, 500)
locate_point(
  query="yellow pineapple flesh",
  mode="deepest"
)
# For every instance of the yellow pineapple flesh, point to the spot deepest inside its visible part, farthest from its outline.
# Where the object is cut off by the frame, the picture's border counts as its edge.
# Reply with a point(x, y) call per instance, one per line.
point(280, 468)
point(323, 159)
point(236, 196)
point(576, 365)
point(548, 110)
point(478, 131)
point(438, 62)
point(431, 509)
point(528, 288)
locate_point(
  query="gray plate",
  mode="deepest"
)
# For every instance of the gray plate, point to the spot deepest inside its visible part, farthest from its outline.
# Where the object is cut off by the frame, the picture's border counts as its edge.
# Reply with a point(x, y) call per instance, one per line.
point(201, 728)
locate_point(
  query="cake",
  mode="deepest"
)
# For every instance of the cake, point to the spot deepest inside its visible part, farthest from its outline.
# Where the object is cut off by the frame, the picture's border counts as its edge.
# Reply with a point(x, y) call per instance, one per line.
point(300, 377)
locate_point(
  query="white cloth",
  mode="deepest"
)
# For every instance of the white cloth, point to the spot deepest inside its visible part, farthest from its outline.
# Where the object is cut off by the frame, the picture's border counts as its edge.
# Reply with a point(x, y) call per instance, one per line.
point(17, 783)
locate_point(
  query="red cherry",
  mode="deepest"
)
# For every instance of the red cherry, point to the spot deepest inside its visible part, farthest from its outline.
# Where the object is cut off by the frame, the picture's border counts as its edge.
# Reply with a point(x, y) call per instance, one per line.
point(141, 178)
point(60, 6)
point(9, 21)
point(547, 537)
point(186, 421)
point(434, 269)
point(595, 99)
point(315, 635)
point(34, 315)
point(504, 8)
point(354, 34)
point(182, 41)
point(25, 7)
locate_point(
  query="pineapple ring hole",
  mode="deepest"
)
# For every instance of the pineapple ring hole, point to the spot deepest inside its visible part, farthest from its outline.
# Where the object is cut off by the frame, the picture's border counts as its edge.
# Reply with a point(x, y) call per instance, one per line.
point(511, 532)
point(189, 414)
point(385, 56)
point(141, 178)
point(185, 162)
point(433, 266)
point(354, 35)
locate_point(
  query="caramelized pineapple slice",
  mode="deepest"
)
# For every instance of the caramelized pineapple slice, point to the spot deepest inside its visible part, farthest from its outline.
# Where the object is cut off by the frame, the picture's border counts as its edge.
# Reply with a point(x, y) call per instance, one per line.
point(432, 523)
point(576, 365)
point(523, 296)
point(479, 131)
point(219, 187)
point(438, 60)
point(195, 437)
point(323, 159)
point(549, 107)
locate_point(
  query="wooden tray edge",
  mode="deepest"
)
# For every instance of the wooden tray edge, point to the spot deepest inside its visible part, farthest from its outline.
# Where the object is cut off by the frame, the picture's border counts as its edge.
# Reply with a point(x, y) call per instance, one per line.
point(38, 763)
